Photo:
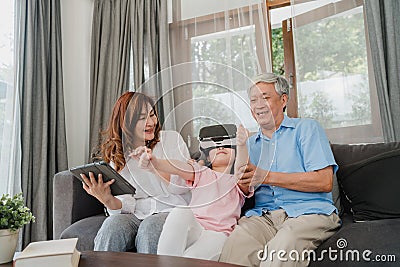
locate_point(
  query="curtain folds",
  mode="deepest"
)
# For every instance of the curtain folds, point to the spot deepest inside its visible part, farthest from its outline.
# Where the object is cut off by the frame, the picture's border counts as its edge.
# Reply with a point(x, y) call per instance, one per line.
point(40, 87)
point(109, 73)
point(150, 38)
point(383, 21)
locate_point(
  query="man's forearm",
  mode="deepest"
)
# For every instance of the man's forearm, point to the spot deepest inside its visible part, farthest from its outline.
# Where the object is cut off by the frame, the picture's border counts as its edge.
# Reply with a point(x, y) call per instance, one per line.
point(315, 181)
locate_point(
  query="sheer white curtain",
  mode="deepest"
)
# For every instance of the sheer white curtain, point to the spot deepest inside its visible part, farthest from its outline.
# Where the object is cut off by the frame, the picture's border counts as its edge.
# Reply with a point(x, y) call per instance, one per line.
point(216, 47)
point(10, 149)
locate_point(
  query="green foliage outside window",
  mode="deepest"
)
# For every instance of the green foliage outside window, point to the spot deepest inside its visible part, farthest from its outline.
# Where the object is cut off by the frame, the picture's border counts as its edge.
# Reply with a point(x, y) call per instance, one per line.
point(278, 66)
point(321, 55)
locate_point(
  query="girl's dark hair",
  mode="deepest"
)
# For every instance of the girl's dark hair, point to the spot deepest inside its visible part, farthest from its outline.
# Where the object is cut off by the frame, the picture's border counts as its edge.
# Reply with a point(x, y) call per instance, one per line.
point(119, 135)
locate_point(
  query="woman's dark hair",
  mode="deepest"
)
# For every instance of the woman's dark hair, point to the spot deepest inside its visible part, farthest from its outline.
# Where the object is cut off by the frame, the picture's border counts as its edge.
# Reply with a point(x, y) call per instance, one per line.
point(119, 135)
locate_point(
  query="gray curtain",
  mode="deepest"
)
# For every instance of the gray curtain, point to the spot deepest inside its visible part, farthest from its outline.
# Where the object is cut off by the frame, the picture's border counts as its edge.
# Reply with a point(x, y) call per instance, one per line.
point(39, 83)
point(150, 42)
point(383, 21)
point(110, 53)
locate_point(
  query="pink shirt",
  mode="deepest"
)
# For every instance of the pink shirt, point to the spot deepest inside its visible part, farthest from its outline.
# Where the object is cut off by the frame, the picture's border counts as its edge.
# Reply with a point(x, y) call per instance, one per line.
point(216, 199)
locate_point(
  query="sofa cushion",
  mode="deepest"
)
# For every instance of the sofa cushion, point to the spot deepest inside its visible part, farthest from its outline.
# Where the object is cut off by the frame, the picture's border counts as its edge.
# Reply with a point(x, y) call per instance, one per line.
point(346, 155)
point(381, 237)
point(92, 205)
point(372, 186)
point(85, 230)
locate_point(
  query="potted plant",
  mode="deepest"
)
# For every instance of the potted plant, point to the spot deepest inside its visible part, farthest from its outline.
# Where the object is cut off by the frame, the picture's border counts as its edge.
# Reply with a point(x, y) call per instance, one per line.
point(13, 216)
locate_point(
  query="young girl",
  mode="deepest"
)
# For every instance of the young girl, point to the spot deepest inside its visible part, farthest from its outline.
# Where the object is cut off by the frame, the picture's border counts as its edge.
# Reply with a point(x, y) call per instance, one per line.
point(201, 230)
point(136, 220)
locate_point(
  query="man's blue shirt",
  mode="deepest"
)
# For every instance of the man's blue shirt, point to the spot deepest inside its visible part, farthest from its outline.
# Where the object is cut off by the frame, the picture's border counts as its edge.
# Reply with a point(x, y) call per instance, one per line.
point(298, 145)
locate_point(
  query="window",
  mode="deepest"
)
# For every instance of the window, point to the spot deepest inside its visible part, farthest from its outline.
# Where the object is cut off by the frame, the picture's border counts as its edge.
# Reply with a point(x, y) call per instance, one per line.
point(6, 64)
point(334, 84)
point(326, 56)
point(213, 103)
point(7, 130)
point(131, 74)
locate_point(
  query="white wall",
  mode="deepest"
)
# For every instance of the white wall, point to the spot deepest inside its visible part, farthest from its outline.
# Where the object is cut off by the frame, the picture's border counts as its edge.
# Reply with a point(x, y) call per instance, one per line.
point(76, 20)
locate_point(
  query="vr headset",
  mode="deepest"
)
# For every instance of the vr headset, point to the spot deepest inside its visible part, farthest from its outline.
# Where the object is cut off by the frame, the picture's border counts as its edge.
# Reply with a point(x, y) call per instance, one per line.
point(221, 135)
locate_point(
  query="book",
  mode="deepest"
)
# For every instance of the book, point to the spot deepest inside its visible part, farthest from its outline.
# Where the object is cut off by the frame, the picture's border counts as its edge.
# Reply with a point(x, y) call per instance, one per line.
point(60, 253)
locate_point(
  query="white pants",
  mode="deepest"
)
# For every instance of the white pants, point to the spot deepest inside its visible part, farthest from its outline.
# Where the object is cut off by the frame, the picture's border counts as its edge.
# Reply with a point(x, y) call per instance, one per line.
point(183, 235)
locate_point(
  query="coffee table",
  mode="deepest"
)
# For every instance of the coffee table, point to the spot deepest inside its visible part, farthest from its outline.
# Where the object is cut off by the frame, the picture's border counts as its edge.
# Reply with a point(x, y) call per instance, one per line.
point(121, 259)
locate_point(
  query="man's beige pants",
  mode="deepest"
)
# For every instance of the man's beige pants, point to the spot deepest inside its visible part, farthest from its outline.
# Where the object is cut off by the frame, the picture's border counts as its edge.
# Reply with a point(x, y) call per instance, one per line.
point(277, 239)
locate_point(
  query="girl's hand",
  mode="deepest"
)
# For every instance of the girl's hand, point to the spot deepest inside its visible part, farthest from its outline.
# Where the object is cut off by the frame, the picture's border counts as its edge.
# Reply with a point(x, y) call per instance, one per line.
point(98, 189)
point(136, 153)
point(241, 135)
point(146, 161)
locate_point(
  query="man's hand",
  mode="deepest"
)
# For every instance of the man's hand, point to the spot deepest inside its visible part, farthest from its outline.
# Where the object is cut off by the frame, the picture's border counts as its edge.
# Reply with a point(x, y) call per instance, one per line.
point(250, 175)
point(241, 135)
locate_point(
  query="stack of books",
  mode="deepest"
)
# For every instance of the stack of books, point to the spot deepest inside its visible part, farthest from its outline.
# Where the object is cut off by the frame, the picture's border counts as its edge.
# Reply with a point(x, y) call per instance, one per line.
point(58, 253)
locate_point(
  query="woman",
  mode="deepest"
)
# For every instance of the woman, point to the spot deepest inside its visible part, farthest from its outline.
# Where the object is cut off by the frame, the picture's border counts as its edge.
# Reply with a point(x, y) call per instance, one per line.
point(134, 123)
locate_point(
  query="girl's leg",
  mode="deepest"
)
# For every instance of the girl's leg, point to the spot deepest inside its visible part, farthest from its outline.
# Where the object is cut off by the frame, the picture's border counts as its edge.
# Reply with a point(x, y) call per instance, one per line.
point(117, 233)
point(208, 246)
point(180, 231)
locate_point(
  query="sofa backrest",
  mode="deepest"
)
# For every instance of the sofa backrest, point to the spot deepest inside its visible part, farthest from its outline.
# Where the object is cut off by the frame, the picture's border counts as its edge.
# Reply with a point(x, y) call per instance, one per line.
point(348, 154)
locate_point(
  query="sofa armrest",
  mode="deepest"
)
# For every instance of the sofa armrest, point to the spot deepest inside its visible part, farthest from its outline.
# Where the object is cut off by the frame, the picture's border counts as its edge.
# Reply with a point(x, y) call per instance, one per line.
point(70, 202)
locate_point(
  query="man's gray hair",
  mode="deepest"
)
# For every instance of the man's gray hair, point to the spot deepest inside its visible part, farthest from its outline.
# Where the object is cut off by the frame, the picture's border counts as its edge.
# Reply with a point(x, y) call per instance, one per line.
point(280, 83)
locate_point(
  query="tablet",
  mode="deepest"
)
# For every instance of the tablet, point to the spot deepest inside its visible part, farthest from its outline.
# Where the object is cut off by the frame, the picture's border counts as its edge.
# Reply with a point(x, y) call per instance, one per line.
point(119, 187)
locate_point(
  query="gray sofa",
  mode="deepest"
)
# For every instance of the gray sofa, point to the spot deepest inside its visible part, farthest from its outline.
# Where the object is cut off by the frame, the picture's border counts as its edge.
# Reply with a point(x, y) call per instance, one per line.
point(367, 189)
point(75, 213)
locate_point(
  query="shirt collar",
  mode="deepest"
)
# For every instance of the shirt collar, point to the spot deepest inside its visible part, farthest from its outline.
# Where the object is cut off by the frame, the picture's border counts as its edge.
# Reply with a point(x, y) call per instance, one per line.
point(286, 123)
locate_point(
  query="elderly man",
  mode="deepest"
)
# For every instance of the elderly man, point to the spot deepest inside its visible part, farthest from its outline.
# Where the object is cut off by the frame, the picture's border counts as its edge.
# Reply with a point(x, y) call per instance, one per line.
point(292, 166)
